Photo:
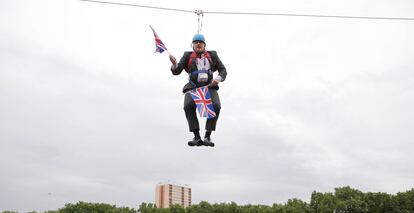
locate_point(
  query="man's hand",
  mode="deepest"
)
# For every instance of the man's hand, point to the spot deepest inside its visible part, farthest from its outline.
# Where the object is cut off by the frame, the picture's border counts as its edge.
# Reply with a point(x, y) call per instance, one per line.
point(214, 83)
point(173, 60)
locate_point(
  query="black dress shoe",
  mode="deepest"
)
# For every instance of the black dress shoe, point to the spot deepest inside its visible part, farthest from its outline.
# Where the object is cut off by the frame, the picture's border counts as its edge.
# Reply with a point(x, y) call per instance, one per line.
point(195, 142)
point(207, 142)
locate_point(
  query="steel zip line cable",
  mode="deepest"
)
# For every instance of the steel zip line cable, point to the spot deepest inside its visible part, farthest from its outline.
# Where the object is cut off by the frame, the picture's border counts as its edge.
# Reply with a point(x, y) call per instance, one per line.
point(255, 13)
point(309, 15)
point(136, 5)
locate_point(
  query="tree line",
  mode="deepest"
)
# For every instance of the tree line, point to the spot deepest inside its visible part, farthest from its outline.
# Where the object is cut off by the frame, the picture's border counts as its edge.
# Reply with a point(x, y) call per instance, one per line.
point(342, 200)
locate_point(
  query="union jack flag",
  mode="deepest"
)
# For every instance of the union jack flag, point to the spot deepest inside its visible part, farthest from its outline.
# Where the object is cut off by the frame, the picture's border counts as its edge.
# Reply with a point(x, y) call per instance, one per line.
point(159, 46)
point(202, 99)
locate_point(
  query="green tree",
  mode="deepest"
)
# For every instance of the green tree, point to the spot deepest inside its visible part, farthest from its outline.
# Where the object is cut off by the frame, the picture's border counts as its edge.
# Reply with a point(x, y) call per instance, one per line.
point(296, 206)
point(232, 207)
point(84, 207)
point(349, 200)
point(177, 209)
point(322, 202)
point(380, 202)
point(256, 209)
point(405, 201)
point(151, 208)
point(202, 207)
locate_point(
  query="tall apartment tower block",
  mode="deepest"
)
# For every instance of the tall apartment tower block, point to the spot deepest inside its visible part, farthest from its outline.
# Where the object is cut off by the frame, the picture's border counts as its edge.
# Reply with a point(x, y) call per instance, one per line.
point(167, 194)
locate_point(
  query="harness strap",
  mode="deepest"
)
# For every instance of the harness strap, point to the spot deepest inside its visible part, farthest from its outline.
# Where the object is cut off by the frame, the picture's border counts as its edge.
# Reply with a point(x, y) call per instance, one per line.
point(194, 56)
point(192, 83)
point(195, 72)
point(199, 71)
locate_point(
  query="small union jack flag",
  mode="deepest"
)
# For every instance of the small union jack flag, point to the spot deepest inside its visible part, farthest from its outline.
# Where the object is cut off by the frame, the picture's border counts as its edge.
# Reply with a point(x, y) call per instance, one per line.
point(202, 99)
point(159, 46)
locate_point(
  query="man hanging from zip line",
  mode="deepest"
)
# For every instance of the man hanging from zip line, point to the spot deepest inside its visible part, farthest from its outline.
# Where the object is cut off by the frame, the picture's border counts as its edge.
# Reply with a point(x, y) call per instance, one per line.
point(200, 66)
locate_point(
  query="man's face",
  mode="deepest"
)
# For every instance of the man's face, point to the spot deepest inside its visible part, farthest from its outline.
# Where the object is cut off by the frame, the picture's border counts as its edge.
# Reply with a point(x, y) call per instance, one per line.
point(199, 46)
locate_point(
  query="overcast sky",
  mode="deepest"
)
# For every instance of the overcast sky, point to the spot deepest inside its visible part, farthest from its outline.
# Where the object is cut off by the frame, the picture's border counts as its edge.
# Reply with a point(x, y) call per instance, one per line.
point(89, 112)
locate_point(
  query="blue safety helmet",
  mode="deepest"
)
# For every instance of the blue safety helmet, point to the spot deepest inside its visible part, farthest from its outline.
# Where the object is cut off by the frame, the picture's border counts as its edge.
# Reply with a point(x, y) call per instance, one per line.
point(199, 37)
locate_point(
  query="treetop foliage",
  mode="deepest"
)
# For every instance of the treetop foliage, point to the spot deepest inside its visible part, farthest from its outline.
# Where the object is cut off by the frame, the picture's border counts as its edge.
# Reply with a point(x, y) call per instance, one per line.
point(342, 200)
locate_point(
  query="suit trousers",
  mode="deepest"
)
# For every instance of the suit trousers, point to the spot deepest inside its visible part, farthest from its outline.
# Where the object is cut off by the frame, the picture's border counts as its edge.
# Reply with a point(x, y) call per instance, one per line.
point(190, 112)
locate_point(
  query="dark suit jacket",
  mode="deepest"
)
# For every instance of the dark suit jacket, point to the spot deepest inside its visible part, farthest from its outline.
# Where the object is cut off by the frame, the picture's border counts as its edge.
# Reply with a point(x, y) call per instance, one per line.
point(216, 65)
